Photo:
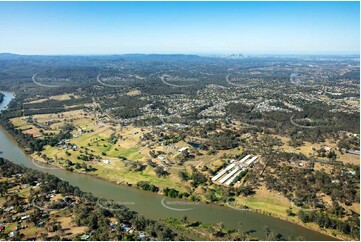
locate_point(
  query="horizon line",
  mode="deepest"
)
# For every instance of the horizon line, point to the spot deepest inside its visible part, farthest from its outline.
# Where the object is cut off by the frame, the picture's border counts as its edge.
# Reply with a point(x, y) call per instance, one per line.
point(265, 53)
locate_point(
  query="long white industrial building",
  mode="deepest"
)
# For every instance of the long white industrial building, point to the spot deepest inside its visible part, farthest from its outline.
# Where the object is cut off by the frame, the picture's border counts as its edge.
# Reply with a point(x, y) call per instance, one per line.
point(251, 160)
point(215, 178)
point(229, 175)
point(244, 158)
point(233, 177)
point(236, 168)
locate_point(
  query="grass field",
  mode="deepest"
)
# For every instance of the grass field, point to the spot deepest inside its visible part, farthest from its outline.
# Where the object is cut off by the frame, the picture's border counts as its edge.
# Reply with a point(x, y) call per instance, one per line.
point(269, 201)
point(98, 143)
point(63, 97)
point(33, 231)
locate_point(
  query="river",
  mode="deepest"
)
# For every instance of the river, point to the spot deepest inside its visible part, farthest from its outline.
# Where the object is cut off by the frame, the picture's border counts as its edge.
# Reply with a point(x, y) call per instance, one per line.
point(150, 204)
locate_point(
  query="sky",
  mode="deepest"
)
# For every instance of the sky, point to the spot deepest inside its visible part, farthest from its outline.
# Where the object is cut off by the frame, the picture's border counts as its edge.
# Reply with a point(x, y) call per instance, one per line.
point(179, 27)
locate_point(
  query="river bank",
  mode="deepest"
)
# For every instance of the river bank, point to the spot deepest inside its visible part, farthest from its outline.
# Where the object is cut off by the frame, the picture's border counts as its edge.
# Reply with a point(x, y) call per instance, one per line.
point(294, 219)
point(150, 204)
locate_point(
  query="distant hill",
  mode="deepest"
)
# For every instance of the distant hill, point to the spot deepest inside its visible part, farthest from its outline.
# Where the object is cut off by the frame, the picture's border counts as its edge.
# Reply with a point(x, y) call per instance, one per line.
point(8, 56)
point(94, 60)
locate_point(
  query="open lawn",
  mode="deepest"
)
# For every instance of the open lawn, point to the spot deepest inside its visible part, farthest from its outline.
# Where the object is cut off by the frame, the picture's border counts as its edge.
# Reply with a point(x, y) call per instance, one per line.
point(269, 201)
point(63, 97)
point(68, 225)
point(98, 143)
point(32, 231)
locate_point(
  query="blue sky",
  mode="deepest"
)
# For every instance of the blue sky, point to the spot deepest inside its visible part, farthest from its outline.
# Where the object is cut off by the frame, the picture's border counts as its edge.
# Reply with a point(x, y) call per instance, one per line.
point(179, 27)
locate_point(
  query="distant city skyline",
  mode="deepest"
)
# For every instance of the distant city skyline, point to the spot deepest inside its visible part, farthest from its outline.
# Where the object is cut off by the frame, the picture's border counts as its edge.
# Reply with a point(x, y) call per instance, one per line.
point(95, 28)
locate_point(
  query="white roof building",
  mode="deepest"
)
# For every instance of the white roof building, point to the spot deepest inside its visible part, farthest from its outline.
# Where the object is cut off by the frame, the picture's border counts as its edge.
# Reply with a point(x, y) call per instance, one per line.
point(183, 149)
point(223, 172)
point(229, 175)
point(249, 162)
point(234, 177)
point(244, 158)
